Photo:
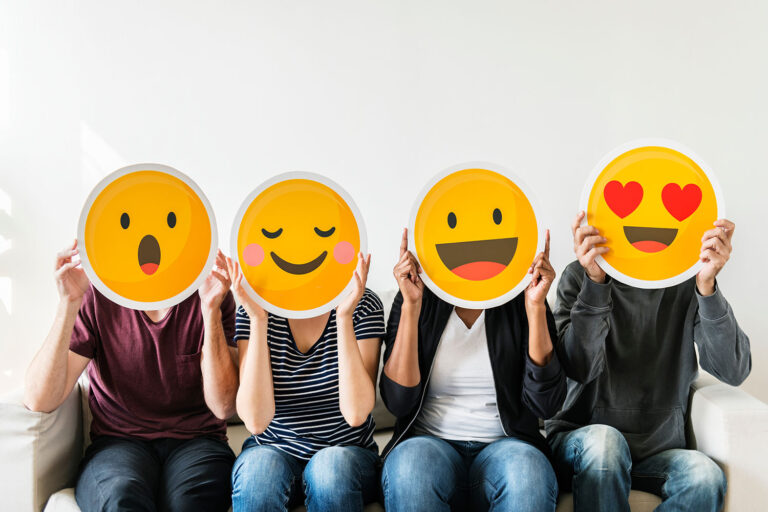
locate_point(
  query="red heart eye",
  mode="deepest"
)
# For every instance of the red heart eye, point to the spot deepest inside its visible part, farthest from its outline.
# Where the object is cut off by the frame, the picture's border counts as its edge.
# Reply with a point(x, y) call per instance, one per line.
point(623, 199)
point(681, 202)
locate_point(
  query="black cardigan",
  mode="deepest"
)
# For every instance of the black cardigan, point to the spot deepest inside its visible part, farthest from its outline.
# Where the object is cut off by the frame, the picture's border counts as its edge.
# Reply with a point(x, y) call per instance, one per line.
point(524, 391)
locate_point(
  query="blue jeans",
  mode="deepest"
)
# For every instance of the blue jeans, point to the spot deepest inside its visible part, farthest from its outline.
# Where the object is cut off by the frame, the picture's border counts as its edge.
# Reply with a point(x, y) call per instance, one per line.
point(338, 478)
point(130, 474)
point(428, 473)
point(597, 463)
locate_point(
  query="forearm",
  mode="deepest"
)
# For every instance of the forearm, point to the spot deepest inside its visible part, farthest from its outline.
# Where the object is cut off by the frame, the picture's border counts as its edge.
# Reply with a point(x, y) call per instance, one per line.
point(540, 346)
point(219, 373)
point(402, 367)
point(583, 317)
point(256, 396)
point(724, 349)
point(46, 379)
point(357, 392)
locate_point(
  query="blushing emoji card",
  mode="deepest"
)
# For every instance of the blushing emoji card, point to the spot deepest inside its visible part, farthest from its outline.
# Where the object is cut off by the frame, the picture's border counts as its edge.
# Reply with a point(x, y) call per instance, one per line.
point(475, 232)
point(652, 200)
point(147, 236)
point(297, 237)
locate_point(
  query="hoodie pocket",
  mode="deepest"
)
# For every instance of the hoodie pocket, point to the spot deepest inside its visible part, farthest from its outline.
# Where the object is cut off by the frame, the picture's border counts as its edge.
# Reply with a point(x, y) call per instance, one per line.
point(647, 431)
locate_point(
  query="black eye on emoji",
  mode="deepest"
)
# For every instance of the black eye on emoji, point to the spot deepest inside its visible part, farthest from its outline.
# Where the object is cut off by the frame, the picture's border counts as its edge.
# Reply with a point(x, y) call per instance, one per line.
point(272, 234)
point(171, 220)
point(452, 220)
point(326, 233)
point(125, 220)
point(497, 216)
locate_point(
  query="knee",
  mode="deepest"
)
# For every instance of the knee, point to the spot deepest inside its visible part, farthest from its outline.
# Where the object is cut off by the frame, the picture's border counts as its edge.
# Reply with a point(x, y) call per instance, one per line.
point(123, 492)
point(524, 471)
point(258, 470)
point(411, 468)
point(331, 469)
point(603, 448)
point(703, 475)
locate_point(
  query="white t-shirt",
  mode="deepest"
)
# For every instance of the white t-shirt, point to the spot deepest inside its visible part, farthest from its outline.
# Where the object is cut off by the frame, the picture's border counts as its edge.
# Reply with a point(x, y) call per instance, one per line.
point(460, 403)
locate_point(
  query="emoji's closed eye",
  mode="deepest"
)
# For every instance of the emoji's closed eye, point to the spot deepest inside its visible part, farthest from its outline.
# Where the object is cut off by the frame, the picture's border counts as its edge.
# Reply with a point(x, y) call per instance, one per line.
point(272, 234)
point(326, 233)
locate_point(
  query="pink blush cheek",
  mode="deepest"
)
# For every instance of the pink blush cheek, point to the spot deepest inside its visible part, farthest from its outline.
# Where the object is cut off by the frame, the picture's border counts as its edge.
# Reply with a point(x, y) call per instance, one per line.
point(253, 255)
point(344, 252)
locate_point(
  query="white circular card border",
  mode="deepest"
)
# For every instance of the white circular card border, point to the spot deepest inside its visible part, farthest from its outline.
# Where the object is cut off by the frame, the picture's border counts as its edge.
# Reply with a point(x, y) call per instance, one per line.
point(298, 175)
point(86, 263)
point(615, 153)
point(456, 301)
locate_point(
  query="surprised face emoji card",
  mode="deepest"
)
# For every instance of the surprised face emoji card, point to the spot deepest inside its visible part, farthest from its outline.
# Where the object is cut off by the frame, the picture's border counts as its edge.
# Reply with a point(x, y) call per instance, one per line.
point(147, 236)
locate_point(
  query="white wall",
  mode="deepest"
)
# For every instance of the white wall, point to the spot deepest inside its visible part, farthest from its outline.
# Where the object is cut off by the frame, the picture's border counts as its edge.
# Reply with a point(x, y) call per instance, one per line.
point(377, 95)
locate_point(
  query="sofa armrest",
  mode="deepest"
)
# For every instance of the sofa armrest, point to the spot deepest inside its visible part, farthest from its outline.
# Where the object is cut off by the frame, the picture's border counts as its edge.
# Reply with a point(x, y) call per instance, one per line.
point(40, 451)
point(731, 427)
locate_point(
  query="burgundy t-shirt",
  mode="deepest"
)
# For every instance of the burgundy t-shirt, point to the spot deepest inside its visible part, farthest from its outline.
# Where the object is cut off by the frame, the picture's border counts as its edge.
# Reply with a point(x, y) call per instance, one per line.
point(146, 379)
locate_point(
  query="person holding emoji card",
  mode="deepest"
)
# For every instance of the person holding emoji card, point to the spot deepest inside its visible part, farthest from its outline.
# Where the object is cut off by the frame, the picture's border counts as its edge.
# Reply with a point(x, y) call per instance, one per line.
point(147, 317)
point(309, 333)
point(641, 296)
point(468, 382)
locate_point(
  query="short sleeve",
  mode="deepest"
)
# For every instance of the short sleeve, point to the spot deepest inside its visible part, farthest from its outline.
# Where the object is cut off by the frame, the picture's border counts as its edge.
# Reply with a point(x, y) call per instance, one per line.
point(228, 319)
point(369, 317)
point(242, 325)
point(84, 334)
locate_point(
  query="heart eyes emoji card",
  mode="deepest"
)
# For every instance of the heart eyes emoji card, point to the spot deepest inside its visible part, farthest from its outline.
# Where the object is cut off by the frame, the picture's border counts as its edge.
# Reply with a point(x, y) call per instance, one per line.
point(653, 200)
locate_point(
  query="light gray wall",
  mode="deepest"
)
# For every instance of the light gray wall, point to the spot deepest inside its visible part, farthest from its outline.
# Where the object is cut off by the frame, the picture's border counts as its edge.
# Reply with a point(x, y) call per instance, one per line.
point(378, 96)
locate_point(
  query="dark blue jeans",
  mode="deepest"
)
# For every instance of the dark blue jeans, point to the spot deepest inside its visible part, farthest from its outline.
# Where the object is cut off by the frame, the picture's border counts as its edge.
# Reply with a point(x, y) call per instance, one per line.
point(427, 473)
point(338, 479)
point(130, 474)
point(596, 463)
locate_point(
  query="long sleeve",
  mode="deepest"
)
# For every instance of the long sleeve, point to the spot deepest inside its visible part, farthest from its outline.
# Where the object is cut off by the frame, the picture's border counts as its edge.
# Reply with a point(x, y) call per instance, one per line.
point(544, 387)
point(582, 315)
point(723, 347)
point(400, 400)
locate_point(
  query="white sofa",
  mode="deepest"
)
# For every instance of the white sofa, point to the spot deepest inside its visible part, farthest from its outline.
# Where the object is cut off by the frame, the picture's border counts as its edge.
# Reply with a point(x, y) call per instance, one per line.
point(39, 452)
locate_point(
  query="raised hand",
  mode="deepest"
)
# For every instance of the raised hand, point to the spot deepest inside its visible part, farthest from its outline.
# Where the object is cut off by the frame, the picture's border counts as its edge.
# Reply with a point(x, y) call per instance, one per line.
point(585, 240)
point(254, 311)
point(71, 281)
point(216, 285)
point(715, 252)
point(406, 273)
point(542, 279)
point(348, 305)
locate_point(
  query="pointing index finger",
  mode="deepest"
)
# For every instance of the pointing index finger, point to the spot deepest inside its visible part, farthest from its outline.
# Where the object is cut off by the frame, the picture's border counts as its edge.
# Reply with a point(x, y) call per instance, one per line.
point(404, 242)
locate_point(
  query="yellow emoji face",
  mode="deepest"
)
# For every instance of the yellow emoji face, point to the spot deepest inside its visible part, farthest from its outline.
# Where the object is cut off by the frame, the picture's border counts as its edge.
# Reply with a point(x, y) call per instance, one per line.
point(653, 201)
point(148, 236)
point(475, 234)
point(297, 237)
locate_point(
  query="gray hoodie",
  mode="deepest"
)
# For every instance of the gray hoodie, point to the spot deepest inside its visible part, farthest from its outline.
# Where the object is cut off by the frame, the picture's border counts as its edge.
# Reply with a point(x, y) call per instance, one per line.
point(630, 359)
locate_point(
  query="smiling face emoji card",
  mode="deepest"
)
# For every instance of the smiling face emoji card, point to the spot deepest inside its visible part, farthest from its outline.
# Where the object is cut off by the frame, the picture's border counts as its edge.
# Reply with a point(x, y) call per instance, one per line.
point(653, 200)
point(147, 236)
point(475, 234)
point(296, 238)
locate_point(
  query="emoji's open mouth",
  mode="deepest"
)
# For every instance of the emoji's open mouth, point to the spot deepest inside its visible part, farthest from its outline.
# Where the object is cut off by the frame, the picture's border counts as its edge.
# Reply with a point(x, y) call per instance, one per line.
point(149, 255)
point(298, 268)
point(650, 239)
point(477, 260)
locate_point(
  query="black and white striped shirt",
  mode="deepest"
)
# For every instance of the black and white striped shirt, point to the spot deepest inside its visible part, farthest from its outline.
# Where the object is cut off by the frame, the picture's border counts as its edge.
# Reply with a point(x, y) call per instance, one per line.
point(307, 414)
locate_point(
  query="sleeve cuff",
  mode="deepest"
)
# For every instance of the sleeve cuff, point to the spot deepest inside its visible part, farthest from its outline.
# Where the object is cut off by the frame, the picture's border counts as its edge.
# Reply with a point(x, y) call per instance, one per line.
point(596, 295)
point(712, 307)
point(543, 373)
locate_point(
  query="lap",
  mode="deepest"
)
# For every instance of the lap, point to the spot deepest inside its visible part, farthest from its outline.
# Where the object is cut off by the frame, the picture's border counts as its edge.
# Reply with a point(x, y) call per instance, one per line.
point(116, 471)
point(197, 473)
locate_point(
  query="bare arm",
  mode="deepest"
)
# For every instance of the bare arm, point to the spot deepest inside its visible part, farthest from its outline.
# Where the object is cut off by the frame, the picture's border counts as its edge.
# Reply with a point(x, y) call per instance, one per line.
point(55, 369)
point(540, 345)
point(256, 396)
point(217, 366)
point(402, 366)
point(357, 377)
